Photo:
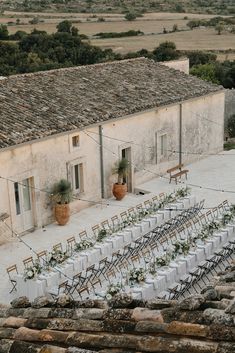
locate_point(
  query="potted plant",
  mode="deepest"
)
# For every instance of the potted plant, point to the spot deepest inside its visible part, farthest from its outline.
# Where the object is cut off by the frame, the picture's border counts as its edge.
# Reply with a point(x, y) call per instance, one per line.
point(62, 194)
point(120, 188)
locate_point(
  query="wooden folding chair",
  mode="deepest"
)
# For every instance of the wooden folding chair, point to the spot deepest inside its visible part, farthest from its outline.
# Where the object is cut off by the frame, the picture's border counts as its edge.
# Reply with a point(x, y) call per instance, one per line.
point(123, 266)
point(139, 206)
point(209, 215)
point(220, 208)
point(11, 270)
point(82, 290)
point(225, 205)
point(135, 258)
point(54, 292)
point(28, 262)
point(147, 204)
point(95, 230)
point(110, 275)
point(131, 211)
point(123, 216)
point(155, 199)
point(105, 225)
point(215, 212)
point(202, 219)
point(58, 247)
point(83, 235)
point(115, 223)
point(71, 242)
point(42, 257)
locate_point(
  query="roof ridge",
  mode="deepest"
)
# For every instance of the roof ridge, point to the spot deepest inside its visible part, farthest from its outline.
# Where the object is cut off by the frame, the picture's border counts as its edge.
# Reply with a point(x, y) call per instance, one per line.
point(78, 67)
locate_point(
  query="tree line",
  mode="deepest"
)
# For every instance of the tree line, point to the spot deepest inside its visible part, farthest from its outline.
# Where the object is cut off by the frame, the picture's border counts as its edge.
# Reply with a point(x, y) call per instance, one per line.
point(40, 51)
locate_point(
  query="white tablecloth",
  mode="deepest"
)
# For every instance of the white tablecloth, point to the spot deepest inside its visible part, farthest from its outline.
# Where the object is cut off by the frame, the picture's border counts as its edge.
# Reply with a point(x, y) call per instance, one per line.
point(80, 261)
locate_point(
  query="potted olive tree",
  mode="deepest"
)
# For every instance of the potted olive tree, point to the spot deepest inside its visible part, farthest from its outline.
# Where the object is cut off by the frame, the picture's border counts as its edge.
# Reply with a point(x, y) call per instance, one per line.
point(120, 187)
point(61, 195)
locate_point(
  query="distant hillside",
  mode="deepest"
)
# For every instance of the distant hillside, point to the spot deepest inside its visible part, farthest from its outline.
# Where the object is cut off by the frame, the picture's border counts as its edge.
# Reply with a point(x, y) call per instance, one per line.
point(221, 7)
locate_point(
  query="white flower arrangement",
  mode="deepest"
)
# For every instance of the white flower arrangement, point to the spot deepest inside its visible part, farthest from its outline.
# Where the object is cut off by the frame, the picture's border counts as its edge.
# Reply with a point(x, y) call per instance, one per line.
point(112, 290)
point(103, 233)
point(57, 257)
point(137, 275)
point(164, 260)
point(226, 218)
point(181, 248)
point(182, 192)
point(83, 244)
point(32, 271)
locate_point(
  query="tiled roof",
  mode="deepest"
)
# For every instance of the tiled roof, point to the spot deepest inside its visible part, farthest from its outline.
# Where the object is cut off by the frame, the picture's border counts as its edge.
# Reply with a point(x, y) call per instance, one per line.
point(33, 106)
point(201, 323)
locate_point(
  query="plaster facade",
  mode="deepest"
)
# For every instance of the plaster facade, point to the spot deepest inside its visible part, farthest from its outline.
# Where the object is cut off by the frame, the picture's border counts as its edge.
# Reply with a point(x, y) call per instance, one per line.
point(44, 162)
point(181, 64)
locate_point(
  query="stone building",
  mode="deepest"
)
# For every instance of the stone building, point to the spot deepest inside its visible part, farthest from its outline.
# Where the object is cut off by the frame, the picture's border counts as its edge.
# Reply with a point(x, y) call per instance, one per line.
point(76, 122)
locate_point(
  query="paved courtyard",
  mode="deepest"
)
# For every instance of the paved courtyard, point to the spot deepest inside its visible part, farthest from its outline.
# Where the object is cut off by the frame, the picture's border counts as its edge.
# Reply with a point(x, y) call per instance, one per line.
point(216, 171)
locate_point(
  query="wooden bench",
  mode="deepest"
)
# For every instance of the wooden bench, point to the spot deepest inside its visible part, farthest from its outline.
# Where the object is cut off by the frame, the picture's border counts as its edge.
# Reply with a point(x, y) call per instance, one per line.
point(178, 174)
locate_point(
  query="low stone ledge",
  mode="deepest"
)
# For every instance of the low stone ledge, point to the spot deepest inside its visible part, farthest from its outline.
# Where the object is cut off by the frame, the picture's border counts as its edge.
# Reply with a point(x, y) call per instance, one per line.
point(224, 291)
point(14, 322)
point(90, 314)
point(187, 329)
point(7, 333)
point(226, 348)
point(118, 314)
point(65, 324)
point(151, 327)
point(159, 304)
point(216, 316)
point(221, 333)
point(173, 314)
point(143, 314)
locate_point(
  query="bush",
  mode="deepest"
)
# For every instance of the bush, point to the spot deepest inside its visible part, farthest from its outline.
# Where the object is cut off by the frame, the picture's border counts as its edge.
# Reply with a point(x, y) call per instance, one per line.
point(231, 126)
point(166, 51)
point(130, 16)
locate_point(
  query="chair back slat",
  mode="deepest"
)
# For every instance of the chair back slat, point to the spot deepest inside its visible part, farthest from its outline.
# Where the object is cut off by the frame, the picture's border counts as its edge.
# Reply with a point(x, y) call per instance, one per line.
point(28, 261)
point(58, 247)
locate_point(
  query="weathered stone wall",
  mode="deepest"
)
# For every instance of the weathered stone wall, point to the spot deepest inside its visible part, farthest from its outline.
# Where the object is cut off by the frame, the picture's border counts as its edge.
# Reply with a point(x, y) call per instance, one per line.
point(202, 323)
point(181, 64)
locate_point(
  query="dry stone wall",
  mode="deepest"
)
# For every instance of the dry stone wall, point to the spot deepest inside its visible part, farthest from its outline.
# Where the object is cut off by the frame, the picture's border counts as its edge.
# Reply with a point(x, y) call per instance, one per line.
point(201, 323)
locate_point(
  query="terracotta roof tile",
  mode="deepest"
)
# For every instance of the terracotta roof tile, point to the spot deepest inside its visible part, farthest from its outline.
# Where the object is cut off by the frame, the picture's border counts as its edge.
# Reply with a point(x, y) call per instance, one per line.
point(33, 106)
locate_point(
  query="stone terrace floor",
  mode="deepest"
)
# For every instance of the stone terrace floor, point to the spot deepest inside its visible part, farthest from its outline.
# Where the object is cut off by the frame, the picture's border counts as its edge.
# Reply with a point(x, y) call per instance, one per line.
point(214, 171)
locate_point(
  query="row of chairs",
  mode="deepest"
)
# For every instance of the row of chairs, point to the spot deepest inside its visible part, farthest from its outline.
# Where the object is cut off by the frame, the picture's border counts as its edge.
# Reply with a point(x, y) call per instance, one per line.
point(125, 258)
point(191, 282)
point(115, 225)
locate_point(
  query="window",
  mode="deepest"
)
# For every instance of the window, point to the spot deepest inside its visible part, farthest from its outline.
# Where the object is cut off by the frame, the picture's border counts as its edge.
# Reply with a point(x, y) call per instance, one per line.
point(163, 145)
point(78, 177)
point(17, 198)
point(75, 141)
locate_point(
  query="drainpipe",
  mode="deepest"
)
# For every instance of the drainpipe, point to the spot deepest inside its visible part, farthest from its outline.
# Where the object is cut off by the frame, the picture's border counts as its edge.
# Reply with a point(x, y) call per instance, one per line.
point(101, 161)
point(180, 136)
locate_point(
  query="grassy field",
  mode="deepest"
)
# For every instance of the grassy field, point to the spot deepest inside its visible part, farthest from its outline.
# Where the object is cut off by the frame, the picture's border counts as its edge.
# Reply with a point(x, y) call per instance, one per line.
point(205, 39)
point(151, 24)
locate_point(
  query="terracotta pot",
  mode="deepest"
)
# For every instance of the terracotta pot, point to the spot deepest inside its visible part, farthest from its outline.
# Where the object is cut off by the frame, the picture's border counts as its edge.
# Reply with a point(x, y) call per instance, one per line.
point(62, 214)
point(119, 191)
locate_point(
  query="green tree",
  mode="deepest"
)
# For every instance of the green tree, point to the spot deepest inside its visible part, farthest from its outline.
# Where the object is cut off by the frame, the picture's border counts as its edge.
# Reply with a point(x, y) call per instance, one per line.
point(231, 126)
point(200, 57)
point(166, 51)
point(3, 32)
point(205, 72)
point(64, 26)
